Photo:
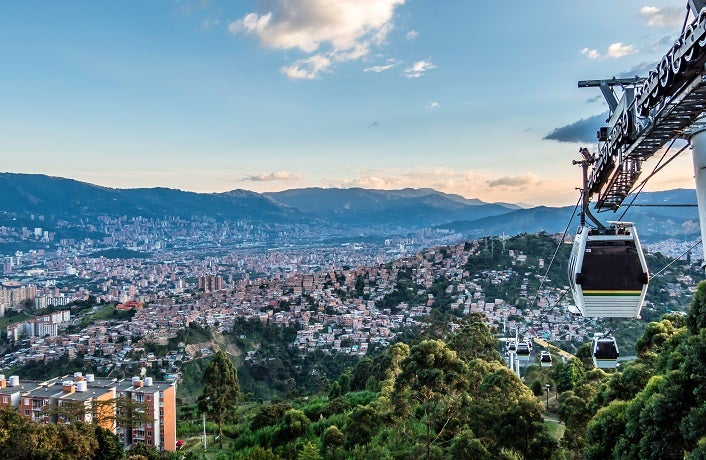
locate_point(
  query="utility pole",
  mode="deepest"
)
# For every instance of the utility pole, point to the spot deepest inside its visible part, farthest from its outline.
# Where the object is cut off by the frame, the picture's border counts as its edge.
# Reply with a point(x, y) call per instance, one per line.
point(204, 431)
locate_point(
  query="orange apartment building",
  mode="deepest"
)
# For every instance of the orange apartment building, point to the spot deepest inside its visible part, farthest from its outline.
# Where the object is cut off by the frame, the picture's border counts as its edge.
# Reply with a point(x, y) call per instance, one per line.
point(159, 402)
point(87, 399)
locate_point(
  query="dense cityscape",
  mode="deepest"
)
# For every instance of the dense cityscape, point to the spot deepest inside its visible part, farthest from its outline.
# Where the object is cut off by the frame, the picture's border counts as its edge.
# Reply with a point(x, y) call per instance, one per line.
point(333, 295)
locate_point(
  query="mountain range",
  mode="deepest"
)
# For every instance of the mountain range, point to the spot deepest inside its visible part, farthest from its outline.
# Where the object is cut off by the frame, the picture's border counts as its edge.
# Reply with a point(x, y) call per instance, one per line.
point(377, 211)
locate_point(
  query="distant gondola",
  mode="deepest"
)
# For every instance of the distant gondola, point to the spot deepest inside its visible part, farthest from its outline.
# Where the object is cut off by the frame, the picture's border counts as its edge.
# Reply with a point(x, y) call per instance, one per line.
point(604, 351)
point(608, 272)
point(545, 359)
point(523, 351)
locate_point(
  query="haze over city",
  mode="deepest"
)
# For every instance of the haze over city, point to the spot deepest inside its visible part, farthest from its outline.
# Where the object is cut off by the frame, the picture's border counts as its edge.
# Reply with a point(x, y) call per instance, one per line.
point(475, 99)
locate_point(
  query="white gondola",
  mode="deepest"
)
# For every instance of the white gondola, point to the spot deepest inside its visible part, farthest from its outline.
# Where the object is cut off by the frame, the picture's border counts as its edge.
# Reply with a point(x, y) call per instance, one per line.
point(604, 351)
point(511, 345)
point(545, 359)
point(523, 352)
point(607, 272)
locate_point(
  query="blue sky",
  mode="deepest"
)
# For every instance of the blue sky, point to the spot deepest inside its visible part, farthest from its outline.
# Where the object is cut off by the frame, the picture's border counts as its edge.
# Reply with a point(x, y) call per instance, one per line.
point(215, 95)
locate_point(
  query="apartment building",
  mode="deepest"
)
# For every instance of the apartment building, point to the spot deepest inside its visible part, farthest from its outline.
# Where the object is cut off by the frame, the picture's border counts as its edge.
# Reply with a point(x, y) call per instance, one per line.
point(136, 410)
point(156, 401)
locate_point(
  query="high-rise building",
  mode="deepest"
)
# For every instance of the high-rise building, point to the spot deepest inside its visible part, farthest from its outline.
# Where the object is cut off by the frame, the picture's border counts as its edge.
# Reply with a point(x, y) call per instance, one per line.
point(210, 283)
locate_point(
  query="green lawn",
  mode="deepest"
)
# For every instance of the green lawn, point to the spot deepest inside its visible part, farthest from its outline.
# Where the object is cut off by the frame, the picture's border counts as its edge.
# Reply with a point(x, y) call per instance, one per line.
point(556, 430)
point(103, 313)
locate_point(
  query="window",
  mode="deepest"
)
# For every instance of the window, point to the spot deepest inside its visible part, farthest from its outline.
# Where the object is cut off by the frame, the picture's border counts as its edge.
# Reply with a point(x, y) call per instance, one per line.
point(26, 411)
point(613, 265)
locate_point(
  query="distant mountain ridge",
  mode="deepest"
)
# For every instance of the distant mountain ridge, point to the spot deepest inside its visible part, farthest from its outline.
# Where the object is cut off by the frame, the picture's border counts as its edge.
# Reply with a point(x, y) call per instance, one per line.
point(40, 194)
point(376, 211)
point(657, 215)
point(414, 208)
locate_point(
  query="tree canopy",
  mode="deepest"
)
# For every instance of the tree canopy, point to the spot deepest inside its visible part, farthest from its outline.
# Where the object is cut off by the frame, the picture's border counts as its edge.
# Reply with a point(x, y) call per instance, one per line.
point(221, 391)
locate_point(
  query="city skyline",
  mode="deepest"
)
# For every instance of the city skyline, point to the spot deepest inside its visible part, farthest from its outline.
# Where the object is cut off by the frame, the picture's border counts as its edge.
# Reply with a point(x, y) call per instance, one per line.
point(206, 96)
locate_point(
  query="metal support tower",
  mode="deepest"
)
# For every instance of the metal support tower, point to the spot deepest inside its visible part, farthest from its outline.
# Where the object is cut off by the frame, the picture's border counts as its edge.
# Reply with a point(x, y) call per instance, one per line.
point(667, 104)
point(698, 143)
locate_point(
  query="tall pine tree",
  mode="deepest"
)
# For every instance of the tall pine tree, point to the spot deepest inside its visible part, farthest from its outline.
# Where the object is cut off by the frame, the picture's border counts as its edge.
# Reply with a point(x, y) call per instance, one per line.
point(221, 391)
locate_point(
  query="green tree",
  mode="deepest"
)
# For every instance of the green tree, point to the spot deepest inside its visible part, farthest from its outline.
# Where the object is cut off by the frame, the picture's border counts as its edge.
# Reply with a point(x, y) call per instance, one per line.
point(696, 316)
point(295, 423)
point(259, 453)
point(465, 446)
point(360, 426)
point(335, 390)
point(221, 391)
point(570, 375)
point(344, 380)
point(331, 439)
point(624, 385)
point(109, 445)
point(537, 388)
point(655, 335)
point(474, 340)
point(604, 431)
point(309, 452)
point(529, 437)
point(435, 378)
point(575, 413)
point(268, 415)
point(22, 439)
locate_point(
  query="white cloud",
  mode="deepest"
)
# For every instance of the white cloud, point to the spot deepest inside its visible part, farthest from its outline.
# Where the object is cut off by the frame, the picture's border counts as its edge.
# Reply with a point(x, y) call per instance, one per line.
point(273, 176)
point(618, 50)
point(328, 31)
point(381, 68)
point(307, 69)
point(668, 17)
point(467, 183)
point(591, 54)
point(419, 68)
point(615, 50)
point(516, 182)
point(411, 35)
point(433, 105)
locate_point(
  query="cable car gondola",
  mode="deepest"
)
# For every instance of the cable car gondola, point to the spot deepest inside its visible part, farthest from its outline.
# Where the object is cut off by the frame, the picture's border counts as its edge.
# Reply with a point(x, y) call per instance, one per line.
point(604, 351)
point(523, 351)
point(545, 359)
point(608, 272)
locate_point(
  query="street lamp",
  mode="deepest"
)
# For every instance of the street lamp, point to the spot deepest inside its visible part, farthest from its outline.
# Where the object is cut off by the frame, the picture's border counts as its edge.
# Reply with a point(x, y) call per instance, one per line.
point(547, 386)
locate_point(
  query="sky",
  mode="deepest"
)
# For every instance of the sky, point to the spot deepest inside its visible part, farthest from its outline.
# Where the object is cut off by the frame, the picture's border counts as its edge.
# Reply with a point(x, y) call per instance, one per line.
point(478, 99)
